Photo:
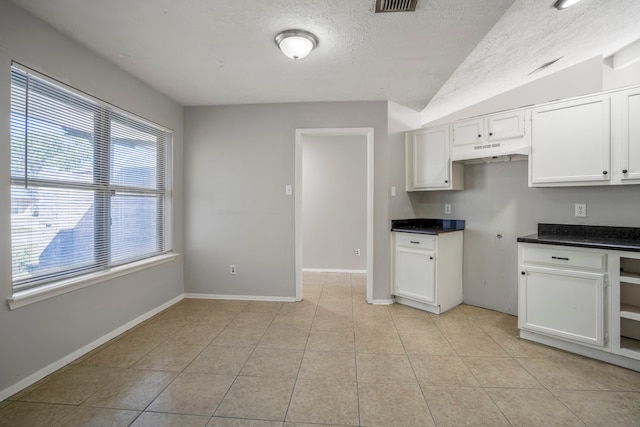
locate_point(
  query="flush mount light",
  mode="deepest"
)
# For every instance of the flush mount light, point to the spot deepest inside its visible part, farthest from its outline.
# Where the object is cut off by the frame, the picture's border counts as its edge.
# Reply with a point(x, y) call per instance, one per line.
point(563, 4)
point(296, 44)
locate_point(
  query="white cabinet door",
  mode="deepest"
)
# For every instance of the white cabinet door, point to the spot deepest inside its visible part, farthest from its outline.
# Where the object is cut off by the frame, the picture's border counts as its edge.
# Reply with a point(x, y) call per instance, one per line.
point(468, 132)
point(506, 126)
point(631, 135)
point(428, 161)
point(562, 303)
point(431, 158)
point(571, 142)
point(415, 274)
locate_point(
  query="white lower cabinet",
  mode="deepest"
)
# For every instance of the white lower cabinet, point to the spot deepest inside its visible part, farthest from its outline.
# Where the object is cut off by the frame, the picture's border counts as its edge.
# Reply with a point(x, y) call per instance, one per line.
point(566, 304)
point(583, 300)
point(626, 307)
point(561, 293)
point(416, 274)
point(427, 270)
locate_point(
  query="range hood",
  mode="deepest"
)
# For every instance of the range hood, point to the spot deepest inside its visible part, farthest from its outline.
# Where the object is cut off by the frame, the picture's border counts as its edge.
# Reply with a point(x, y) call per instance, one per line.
point(506, 150)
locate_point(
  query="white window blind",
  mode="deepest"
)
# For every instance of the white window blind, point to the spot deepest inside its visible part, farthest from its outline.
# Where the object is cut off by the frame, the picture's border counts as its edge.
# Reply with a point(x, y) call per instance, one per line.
point(90, 183)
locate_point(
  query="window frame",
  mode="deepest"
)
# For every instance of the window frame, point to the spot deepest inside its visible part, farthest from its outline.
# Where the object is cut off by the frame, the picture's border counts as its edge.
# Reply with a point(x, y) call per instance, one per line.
point(103, 267)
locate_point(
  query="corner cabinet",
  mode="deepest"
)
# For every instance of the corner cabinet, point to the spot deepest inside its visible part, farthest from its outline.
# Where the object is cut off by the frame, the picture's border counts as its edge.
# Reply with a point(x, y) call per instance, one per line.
point(428, 161)
point(570, 143)
point(427, 270)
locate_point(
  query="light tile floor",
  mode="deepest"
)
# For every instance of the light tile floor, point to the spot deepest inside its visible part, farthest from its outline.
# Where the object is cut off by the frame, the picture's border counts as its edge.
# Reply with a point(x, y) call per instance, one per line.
point(329, 360)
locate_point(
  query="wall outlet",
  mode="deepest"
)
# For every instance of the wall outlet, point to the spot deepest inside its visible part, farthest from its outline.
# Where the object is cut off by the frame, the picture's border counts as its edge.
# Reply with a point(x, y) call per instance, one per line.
point(356, 252)
point(447, 208)
point(581, 210)
point(393, 191)
point(232, 269)
point(288, 190)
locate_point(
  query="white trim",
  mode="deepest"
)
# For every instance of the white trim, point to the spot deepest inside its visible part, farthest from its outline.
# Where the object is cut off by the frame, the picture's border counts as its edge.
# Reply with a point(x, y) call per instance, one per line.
point(300, 134)
point(49, 369)
point(30, 296)
point(240, 297)
point(332, 270)
point(382, 301)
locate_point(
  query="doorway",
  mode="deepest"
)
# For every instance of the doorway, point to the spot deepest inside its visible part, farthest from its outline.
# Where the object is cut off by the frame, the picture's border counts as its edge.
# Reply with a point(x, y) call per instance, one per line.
point(365, 134)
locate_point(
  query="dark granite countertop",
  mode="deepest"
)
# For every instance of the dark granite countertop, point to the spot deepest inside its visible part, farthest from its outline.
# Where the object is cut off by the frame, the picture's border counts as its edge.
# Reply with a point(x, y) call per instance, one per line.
point(586, 236)
point(427, 225)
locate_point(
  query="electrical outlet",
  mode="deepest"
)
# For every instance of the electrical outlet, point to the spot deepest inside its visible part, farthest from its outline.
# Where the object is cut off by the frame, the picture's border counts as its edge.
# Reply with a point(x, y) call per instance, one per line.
point(288, 190)
point(447, 208)
point(356, 252)
point(581, 210)
point(393, 191)
point(232, 269)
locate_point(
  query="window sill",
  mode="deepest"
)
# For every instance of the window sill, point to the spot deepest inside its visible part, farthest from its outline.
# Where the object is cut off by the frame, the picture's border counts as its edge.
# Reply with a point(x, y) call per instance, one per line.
point(30, 296)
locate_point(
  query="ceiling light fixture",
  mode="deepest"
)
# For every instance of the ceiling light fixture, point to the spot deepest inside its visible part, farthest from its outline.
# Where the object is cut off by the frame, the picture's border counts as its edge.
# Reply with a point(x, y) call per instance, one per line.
point(296, 44)
point(563, 4)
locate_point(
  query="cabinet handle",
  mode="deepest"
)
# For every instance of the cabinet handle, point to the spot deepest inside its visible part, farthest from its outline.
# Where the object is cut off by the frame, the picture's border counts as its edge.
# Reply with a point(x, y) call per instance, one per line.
point(523, 273)
point(479, 136)
point(604, 172)
point(490, 133)
point(560, 258)
point(414, 242)
point(430, 257)
point(446, 181)
point(624, 171)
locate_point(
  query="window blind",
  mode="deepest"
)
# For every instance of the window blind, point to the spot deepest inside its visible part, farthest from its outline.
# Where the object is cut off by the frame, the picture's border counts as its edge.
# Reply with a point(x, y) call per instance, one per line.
point(89, 183)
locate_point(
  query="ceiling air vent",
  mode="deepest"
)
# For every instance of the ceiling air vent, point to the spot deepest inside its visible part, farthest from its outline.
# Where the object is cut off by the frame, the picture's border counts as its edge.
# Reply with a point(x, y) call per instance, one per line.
point(395, 6)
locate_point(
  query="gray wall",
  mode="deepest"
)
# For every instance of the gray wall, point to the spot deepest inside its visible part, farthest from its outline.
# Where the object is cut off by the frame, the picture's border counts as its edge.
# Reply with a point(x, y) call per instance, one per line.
point(236, 212)
point(334, 202)
point(37, 335)
point(401, 119)
point(497, 200)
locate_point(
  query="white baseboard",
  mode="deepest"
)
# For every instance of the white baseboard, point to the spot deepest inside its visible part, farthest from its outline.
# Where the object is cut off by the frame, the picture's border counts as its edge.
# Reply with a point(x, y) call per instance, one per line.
point(240, 297)
point(382, 301)
point(332, 270)
point(49, 369)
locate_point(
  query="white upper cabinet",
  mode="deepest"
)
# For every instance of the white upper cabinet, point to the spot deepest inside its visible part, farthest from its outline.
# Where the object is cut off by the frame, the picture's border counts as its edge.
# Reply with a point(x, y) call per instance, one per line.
point(571, 143)
point(428, 162)
point(468, 132)
point(629, 143)
point(493, 135)
point(503, 126)
point(496, 127)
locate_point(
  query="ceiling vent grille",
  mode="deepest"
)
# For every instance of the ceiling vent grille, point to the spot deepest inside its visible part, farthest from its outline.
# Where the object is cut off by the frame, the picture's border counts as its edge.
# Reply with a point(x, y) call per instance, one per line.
point(395, 6)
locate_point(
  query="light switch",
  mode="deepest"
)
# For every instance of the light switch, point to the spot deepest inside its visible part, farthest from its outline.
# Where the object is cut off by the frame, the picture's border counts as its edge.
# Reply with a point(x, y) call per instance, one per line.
point(393, 191)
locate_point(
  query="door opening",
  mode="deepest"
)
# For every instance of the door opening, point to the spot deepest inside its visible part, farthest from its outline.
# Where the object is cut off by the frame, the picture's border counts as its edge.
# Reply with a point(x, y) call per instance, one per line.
point(344, 135)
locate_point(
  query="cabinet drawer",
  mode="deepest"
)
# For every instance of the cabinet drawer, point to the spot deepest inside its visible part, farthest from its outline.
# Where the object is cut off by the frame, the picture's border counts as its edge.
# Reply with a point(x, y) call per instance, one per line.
point(418, 241)
point(564, 257)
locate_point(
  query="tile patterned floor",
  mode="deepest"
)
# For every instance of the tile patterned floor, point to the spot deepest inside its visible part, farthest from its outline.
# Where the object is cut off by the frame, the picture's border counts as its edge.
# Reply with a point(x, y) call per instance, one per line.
point(331, 360)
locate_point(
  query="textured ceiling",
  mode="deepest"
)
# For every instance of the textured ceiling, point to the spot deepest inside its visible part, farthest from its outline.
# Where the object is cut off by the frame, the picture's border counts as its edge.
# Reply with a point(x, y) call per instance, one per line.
point(213, 52)
point(530, 34)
